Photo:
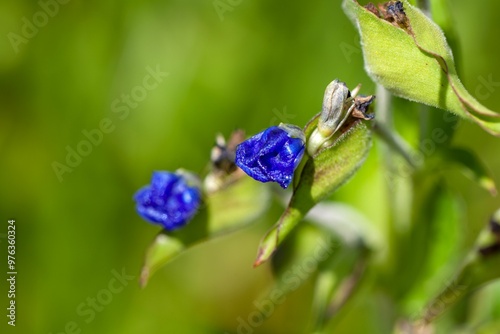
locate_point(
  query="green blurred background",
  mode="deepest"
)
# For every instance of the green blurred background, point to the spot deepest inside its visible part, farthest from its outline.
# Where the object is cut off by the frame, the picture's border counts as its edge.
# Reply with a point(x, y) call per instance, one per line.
point(257, 63)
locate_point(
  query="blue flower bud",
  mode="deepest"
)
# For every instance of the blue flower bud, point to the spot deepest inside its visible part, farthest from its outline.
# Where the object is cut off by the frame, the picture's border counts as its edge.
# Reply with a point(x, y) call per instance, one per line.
point(273, 154)
point(171, 200)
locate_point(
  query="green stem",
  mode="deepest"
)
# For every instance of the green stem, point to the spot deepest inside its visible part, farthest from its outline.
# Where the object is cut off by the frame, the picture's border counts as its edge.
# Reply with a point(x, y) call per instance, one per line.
point(398, 144)
point(385, 121)
point(384, 112)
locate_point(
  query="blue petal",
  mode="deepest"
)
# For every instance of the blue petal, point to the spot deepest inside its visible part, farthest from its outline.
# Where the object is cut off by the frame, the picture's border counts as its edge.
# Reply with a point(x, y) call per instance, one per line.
point(271, 155)
point(168, 201)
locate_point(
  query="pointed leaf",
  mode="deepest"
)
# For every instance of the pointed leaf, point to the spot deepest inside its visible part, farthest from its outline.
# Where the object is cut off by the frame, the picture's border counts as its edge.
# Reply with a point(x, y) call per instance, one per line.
point(225, 210)
point(414, 61)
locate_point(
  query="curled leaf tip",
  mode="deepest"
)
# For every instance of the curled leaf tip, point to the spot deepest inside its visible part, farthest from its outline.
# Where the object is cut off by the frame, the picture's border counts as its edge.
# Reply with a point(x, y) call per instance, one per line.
point(263, 255)
point(258, 261)
point(270, 242)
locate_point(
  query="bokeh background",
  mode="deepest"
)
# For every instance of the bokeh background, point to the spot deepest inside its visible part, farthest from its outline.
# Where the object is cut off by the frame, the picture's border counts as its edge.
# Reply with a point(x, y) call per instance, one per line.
point(247, 64)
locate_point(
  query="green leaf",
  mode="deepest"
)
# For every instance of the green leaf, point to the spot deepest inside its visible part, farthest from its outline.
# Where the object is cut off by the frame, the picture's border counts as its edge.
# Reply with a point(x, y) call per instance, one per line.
point(480, 268)
point(477, 272)
point(439, 222)
point(414, 61)
point(320, 177)
point(226, 210)
point(471, 166)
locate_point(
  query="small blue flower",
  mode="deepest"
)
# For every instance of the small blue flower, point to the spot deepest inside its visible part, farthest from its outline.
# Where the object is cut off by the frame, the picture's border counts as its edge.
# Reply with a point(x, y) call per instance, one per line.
point(171, 200)
point(273, 154)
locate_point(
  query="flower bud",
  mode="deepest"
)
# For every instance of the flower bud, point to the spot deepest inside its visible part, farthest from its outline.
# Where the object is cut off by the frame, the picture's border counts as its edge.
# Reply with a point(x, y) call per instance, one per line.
point(273, 154)
point(338, 104)
point(171, 200)
point(334, 100)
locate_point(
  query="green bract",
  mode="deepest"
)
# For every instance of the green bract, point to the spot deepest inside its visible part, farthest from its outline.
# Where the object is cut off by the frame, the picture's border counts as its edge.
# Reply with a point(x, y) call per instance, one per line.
point(411, 58)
